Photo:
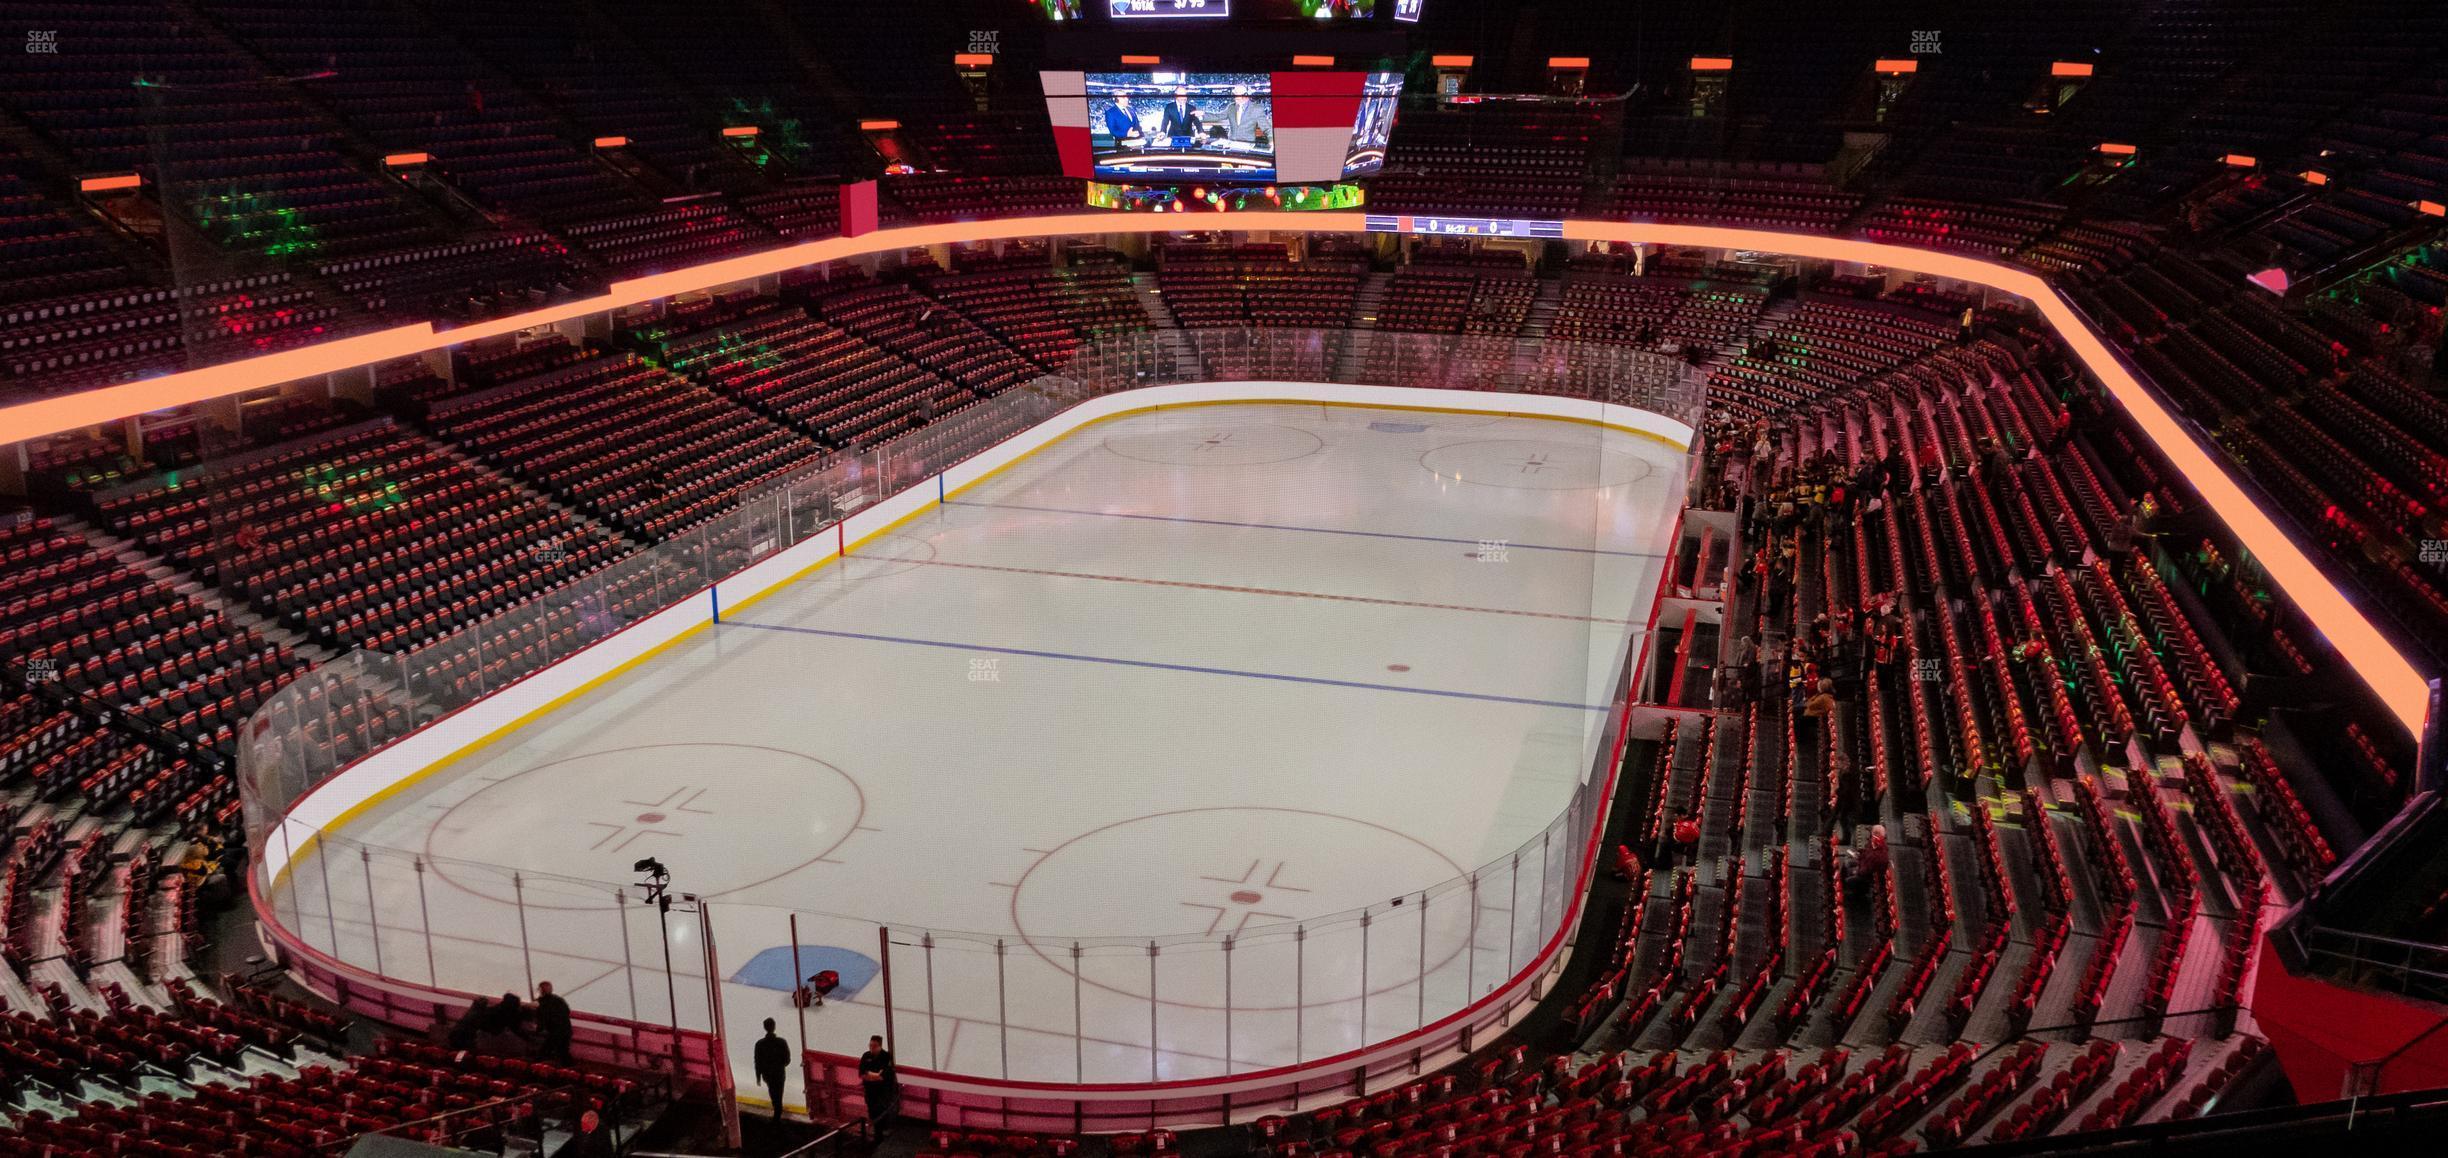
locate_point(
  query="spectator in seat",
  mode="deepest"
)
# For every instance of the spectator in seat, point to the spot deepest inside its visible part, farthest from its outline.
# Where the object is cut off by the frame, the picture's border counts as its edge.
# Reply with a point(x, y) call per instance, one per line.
point(1865, 867)
point(2143, 513)
point(1816, 712)
point(1889, 643)
point(1687, 834)
point(205, 866)
point(773, 1064)
point(1627, 863)
point(552, 1015)
point(1862, 866)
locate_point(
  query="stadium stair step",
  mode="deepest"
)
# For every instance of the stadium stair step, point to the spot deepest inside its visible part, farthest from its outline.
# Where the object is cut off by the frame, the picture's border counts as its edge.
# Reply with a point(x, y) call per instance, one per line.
point(1369, 301)
point(1809, 895)
point(152, 566)
point(1989, 1022)
point(1543, 308)
point(2127, 982)
point(1160, 315)
point(2056, 1003)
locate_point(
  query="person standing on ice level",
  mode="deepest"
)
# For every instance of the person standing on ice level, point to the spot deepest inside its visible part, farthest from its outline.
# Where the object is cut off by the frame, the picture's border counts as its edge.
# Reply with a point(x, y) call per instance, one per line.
point(773, 1064)
point(881, 1085)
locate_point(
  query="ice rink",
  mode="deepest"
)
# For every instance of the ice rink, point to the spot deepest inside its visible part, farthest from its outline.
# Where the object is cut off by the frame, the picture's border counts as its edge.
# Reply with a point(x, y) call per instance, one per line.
point(1223, 670)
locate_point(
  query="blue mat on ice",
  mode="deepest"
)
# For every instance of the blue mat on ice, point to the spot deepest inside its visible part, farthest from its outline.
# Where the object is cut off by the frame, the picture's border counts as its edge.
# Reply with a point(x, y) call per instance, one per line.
point(771, 969)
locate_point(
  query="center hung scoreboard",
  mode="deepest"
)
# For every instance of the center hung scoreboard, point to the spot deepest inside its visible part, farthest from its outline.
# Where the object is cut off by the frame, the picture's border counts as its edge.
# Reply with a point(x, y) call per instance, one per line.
point(1224, 104)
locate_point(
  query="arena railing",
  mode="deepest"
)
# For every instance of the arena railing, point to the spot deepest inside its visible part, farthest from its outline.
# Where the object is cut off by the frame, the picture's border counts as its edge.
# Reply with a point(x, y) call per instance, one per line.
point(400, 934)
point(2415, 969)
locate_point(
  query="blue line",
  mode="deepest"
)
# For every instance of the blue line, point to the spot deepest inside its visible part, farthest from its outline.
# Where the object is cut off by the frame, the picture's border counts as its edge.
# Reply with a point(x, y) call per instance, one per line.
point(1182, 667)
point(1309, 530)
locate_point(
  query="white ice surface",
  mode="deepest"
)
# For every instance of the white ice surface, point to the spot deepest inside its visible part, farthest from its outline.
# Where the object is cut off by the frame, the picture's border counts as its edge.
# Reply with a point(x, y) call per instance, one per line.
point(1207, 671)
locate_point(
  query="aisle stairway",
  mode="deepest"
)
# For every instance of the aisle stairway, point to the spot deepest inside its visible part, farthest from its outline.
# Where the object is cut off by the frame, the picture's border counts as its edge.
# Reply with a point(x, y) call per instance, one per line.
point(1179, 361)
point(1370, 300)
point(238, 610)
point(1543, 308)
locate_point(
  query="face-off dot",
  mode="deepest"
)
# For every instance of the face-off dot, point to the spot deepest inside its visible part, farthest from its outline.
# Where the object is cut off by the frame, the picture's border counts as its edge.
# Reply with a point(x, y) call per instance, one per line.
point(1246, 897)
point(650, 818)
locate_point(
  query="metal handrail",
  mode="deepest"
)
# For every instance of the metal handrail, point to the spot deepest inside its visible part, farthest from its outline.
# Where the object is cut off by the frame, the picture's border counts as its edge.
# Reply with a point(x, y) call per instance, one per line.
point(534, 1098)
point(2354, 950)
point(834, 1135)
point(2086, 1027)
point(2381, 938)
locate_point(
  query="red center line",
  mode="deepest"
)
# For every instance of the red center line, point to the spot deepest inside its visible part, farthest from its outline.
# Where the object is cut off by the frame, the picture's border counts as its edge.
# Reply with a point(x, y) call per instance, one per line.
point(1263, 591)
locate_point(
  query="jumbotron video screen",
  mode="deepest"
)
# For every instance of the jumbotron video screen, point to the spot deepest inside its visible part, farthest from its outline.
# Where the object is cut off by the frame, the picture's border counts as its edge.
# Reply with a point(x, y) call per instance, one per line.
point(1223, 126)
